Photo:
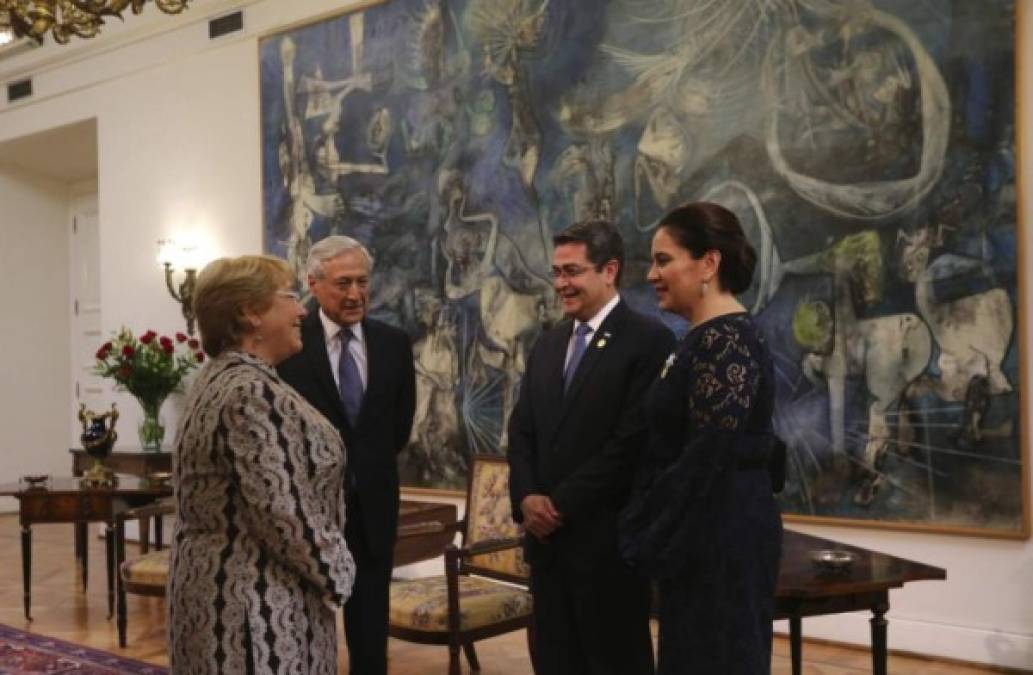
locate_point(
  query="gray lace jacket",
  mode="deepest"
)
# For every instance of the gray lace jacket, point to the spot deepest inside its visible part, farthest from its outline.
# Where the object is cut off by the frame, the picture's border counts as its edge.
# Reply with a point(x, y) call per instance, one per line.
point(258, 559)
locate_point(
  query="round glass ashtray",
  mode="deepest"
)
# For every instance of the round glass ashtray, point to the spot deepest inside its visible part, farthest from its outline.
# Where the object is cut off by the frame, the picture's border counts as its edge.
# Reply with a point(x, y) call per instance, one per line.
point(833, 560)
point(35, 480)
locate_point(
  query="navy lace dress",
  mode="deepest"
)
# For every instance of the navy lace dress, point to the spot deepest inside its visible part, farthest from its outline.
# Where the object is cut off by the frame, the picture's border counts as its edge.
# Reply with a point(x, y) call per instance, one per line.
point(702, 520)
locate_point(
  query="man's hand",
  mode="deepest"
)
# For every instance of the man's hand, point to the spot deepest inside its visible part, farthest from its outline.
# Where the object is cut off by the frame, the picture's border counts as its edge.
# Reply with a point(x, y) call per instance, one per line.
point(540, 516)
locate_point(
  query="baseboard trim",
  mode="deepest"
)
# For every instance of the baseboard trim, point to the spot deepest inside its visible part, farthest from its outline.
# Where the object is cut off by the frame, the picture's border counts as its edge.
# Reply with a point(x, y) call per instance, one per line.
point(997, 650)
point(839, 644)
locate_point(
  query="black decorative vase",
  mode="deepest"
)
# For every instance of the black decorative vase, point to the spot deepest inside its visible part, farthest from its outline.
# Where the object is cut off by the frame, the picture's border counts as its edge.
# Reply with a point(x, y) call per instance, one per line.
point(98, 438)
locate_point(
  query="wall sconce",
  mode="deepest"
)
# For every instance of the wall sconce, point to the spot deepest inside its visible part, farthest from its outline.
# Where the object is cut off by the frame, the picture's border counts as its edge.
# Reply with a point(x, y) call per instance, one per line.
point(172, 255)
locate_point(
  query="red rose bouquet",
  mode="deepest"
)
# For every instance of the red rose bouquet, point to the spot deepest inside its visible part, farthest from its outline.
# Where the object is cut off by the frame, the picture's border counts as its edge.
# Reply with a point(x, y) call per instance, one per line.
point(150, 367)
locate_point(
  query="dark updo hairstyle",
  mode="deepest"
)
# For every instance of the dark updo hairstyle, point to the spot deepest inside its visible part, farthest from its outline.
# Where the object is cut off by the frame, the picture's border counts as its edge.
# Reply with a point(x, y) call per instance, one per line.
point(699, 227)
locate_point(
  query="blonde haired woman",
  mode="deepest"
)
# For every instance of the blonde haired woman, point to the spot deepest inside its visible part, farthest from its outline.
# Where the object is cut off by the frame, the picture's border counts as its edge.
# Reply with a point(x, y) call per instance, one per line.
point(259, 559)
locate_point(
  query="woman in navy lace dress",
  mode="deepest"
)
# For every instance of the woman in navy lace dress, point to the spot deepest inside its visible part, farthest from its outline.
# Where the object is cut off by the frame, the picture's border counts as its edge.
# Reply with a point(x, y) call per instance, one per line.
point(702, 520)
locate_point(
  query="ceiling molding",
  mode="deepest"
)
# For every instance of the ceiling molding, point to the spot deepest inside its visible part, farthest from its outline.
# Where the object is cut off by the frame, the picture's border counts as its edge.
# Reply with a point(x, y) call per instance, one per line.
point(67, 154)
point(16, 47)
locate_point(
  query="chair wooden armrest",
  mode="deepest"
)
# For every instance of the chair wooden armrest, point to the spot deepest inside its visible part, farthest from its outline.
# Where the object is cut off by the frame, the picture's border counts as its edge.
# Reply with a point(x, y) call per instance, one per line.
point(158, 508)
point(144, 514)
point(491, 546)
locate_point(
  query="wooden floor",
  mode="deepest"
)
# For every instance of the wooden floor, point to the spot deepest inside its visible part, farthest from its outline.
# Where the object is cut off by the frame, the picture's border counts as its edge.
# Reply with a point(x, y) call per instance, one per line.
point(63, 610)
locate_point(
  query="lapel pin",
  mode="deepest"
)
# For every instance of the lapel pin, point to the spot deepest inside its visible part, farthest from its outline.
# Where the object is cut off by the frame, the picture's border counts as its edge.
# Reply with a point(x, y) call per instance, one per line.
point(667, 365)
point(602, 341)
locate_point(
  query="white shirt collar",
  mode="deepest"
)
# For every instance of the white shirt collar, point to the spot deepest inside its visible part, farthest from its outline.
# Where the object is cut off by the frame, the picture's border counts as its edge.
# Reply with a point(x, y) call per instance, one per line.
point(331, 328)
point(601, 315)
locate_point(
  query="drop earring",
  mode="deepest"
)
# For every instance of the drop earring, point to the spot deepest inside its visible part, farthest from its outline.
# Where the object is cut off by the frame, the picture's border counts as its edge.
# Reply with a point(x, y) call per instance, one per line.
point(703, 288)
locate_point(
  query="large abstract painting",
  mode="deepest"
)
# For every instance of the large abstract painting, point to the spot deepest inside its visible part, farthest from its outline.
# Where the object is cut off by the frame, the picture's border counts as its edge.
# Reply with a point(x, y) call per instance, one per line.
point(868, 146)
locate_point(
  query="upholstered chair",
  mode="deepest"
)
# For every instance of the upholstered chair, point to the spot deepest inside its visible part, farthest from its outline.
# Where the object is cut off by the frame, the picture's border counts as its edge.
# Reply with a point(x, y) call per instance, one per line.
point(143, 575)
point(483, 592)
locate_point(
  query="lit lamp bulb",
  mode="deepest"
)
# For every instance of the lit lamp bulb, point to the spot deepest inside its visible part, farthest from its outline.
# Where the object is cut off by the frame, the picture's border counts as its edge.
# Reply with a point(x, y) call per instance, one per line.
point(6, 29)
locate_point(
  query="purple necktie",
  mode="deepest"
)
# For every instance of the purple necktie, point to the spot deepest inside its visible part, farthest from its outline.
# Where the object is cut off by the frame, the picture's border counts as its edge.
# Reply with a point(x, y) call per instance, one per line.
point(349, 383)
point(580, 344)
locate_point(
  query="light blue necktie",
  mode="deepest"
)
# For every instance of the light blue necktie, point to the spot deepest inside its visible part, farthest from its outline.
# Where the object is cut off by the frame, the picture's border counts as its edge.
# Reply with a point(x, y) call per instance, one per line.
point(580, 344)
point(349, 383)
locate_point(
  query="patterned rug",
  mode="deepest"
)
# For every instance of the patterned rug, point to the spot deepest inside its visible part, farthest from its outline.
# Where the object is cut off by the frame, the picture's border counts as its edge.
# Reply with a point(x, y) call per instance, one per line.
point(24, 653)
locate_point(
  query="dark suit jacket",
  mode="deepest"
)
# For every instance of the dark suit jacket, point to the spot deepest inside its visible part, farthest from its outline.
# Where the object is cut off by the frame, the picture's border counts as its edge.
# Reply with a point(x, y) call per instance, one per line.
point(580, 449)
point(384, 423)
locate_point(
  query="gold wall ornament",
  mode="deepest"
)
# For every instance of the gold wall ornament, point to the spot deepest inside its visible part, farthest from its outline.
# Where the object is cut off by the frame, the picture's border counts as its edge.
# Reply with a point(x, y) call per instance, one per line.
point(184, 295)
point(67, 18)
point(188, 252)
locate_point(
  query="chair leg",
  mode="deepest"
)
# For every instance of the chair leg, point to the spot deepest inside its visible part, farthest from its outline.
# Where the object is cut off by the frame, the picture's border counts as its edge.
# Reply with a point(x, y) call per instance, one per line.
point(453, 660)
point(530, 645)
point(471, 656)
point(121, 619)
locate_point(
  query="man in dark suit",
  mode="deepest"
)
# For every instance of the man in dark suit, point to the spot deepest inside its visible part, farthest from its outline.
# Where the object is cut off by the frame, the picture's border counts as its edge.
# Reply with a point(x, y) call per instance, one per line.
point(573, 440)
point(359, 373)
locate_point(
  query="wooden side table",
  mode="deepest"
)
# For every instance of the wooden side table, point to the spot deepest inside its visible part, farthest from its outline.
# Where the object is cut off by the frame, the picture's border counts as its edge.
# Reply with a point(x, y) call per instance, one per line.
point(804, 591)
point(424, 530)
point(63, 500)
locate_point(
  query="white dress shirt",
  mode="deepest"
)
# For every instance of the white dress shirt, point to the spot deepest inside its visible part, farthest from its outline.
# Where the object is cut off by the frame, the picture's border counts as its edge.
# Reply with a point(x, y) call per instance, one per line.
point(593, 323)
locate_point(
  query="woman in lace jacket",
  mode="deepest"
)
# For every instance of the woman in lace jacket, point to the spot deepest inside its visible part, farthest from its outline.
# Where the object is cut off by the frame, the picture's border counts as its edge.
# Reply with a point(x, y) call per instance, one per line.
point(259, 560)
point(702, 519)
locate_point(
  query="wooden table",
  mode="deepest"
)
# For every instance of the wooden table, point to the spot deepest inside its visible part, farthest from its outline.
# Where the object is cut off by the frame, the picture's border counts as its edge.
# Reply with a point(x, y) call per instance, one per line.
point(131, 462)
point(424, 530)
point(804, 590)
point(63, 500)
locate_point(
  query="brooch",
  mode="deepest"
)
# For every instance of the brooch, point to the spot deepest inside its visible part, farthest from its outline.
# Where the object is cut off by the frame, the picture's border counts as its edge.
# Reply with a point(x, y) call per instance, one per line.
point(667, 365)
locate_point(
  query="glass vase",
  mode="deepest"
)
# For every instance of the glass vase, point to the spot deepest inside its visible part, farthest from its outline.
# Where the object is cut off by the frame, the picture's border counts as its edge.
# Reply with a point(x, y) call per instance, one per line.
point(151, 428)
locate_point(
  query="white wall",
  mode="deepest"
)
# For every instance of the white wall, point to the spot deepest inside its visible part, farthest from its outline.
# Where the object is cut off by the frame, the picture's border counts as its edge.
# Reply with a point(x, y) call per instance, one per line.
point(178, 126)
point(34, 332)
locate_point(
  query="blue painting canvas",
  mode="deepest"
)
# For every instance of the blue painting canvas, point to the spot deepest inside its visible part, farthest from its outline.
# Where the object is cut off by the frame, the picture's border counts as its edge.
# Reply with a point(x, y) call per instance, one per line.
point(867, 147)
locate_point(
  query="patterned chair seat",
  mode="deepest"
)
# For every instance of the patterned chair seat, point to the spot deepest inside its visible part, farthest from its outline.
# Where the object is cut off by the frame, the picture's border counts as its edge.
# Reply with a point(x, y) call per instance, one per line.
point(422, 604)
point(151, 569)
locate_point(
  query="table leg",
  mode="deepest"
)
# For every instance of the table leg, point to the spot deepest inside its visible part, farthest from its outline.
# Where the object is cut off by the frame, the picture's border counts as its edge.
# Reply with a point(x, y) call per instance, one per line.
point(109, 544)
point(27, 569)
point(796, 644)
point(159, 526)
point(82, 551)
point(879, 624)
